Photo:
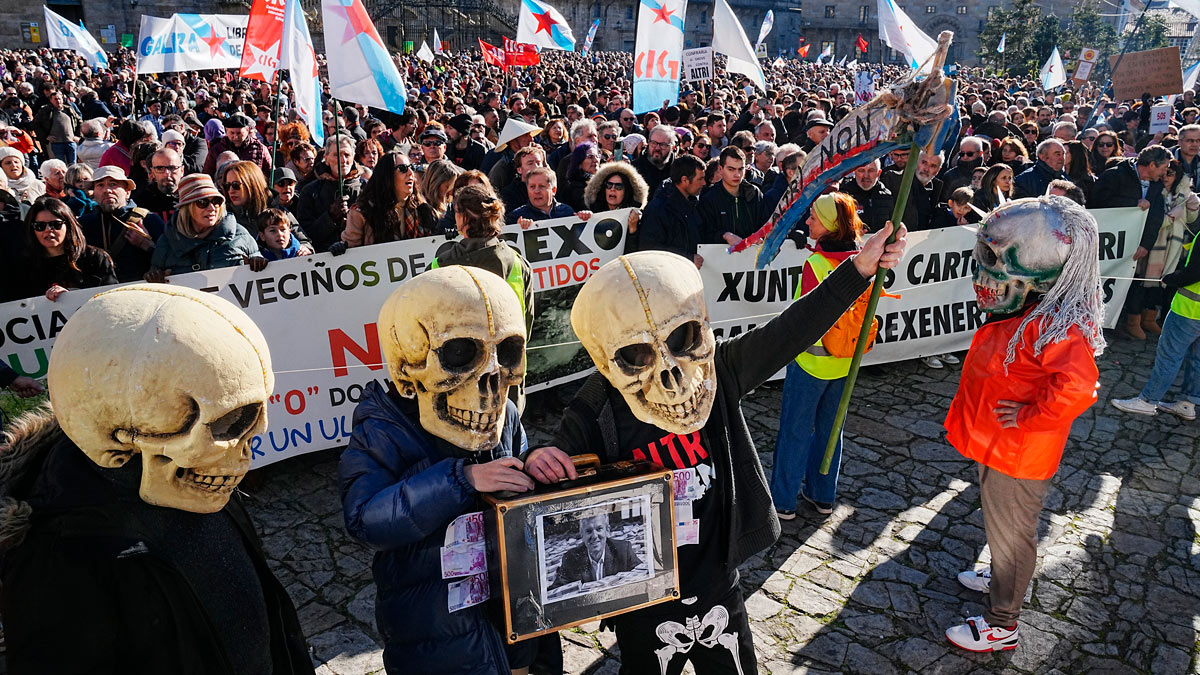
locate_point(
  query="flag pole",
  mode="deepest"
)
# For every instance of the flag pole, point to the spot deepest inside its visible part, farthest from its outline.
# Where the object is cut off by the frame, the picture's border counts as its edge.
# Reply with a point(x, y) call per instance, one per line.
point(278, 79)
point(337, 139)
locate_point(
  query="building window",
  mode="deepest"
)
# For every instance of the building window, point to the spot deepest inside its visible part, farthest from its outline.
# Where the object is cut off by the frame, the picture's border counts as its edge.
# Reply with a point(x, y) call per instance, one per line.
point(864, 12)
point(629, 13)
point(830, 11)
point(704, 16)
point(595, 11)
point(930, 9)
point(962, 10)
point(827, 45)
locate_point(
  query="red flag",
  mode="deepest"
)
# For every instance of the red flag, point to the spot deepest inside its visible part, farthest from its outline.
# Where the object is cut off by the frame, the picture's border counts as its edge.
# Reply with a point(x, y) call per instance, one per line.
point(520, 53)
point(264, 31)
point(861, 44)
point(493, 55)
point(803, 51)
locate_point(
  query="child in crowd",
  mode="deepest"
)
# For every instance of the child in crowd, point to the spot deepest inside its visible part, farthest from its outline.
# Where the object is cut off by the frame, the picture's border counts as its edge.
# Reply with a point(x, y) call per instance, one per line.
point(275, 235)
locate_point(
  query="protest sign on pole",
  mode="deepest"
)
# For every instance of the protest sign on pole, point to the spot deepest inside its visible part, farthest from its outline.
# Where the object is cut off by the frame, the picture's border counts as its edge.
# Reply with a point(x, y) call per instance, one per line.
point(657, 54)
point(864, 86)
point(191, 42)
point(1157, 72)
point(698, 64)
point(1160, 118)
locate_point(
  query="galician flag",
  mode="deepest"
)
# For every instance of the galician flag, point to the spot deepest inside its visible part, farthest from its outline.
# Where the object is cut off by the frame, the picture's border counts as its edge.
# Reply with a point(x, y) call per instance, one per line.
point(297, 55)
point(900, 33)
point(543, 26)
point(360, 69)
point(658, 54)
point(63, 34)
point(826, 53)
point(437, 43)
point(730, 40)
point(1000, 47)
point(1189, 81)
point(587, 43)
point(1053, 74)
point(767, 24)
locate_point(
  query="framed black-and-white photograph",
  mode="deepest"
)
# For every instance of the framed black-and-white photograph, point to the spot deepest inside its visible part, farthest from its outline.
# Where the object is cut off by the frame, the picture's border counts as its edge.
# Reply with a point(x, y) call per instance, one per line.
point(586, 549)
point(594, 548)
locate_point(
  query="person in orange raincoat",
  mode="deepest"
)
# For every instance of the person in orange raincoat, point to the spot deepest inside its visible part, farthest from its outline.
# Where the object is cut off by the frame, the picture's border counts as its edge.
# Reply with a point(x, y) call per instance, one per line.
point(1030, 372)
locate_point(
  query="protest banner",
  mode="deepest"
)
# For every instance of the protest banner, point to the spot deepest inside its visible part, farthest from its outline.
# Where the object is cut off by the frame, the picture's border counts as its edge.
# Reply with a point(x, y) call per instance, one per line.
point(698, 64)
point(191, 42)
point(657, 52)
point(1157, 72)
point(318, 315)
point(1160, 118)
point(864, 86)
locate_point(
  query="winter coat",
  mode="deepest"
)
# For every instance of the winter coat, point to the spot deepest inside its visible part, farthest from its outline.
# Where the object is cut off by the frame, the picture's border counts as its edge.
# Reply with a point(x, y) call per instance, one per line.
point(226, 245)
point(653, 175)
point(1120, 185)
point(401, 488)
point(721, 212)
point(874, 206)
point(107, 231)
point(313, 202)
point(670, 223)
point(252, 150)
point(1056, 386)
point(90, 151)
point(1032, 182)
point(593, 194)
point(92, 586)
point(742, 363)
point(38, 273)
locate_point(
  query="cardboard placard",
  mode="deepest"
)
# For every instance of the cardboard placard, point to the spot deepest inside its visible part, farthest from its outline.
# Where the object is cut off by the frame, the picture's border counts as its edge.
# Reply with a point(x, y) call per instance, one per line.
point(1160, 118)
point(1083, 70)
point(1157, 72)
point(698, 64)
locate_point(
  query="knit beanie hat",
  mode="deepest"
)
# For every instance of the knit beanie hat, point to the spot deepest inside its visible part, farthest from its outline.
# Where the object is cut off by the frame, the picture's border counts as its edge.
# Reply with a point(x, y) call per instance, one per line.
point(826, 210)
point(196, 186)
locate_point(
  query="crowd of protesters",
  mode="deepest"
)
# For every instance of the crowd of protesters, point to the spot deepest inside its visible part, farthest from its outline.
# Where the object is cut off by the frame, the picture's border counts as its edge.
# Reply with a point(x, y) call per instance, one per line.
point(107, 177)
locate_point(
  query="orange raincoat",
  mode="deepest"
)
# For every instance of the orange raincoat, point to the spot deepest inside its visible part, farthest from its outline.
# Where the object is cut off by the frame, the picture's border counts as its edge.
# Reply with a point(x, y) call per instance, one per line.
point(1057, 387)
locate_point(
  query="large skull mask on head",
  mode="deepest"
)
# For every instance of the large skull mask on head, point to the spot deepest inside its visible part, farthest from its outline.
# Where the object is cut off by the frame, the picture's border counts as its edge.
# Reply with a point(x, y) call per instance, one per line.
point(643, 320)
point(454, 337)
point(178, 376)
point(1021, 249)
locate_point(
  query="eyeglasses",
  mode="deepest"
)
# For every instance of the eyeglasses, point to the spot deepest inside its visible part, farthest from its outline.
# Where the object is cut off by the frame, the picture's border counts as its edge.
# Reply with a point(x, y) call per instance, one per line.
point(233, 185)
point(703, 145)
point(610, 137)
point(1108, 144)
point(433, 143)
point(660, 144)
point(614, 185)
point(626, 119)
point(208, 202)
point(404, 168)
point(170, 167)
point(41, 225)
point(968, 154)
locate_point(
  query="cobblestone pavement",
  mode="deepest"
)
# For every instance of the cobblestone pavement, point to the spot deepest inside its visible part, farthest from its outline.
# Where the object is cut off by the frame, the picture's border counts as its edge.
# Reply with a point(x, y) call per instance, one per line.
point(871, 588)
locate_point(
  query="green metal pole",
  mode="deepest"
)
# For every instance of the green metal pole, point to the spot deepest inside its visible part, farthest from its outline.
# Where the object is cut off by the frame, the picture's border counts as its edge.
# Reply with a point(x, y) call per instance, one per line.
point(275, 117)
point(910, 170)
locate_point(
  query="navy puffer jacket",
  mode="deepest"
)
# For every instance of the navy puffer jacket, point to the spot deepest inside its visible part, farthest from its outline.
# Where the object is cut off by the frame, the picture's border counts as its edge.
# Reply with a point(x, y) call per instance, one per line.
point(400, 489)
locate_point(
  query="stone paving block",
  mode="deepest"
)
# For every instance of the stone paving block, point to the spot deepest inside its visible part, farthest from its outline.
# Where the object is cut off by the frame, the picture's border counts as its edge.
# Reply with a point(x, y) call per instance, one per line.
point(347, 651)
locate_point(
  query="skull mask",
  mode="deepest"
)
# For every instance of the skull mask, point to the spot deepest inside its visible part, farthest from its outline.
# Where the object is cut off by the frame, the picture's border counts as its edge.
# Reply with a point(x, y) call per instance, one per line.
point(1022, 248)
point(454, 337)
point(178, 376)
point(643, 320)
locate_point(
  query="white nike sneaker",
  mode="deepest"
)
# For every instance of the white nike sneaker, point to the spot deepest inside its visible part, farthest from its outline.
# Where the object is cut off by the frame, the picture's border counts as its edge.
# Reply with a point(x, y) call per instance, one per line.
point(977, 580)
point(977, 636)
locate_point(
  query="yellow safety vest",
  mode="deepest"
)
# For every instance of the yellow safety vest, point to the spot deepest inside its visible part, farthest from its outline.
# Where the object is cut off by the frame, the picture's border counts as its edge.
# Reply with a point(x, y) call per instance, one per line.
point(815, 360)
point(1187, 299)
point(515, 281)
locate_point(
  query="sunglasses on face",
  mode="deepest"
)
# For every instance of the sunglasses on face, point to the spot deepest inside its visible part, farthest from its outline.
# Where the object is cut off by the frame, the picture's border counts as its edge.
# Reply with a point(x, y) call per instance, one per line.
point(703, 145)
point(208, 202)
point(56, 225)
point(1106, 145)
point(233, 185)
point(614, 185)
point(611, 137)
point(431, 144)
point(403, 168)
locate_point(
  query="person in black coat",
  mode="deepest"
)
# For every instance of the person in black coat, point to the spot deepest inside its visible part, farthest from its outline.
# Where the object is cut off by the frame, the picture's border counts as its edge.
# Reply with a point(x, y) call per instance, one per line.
point(597, 556)
point(671, 221)
point(1051, 159)
point(732, 209)
point(654, 165)
point(57, 258)
point(875, 201)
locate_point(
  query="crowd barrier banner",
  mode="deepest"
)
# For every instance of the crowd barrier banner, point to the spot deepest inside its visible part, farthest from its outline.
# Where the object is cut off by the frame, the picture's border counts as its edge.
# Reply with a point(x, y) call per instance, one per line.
point(318, 313)
point(936, 311)
point(191, 42)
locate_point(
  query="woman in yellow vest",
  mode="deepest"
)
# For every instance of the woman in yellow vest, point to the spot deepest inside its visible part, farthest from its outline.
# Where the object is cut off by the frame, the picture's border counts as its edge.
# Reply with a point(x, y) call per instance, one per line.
point(1178, 346)
point(814, 381)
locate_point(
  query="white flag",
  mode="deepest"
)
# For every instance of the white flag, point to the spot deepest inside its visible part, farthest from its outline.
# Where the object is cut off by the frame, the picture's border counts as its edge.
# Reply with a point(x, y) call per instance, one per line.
point(297, 55)
point(1053, 74)
point(900, 33)
point(779, 62)
point(425, 53)
point(842, 62)
point(853, 64)
point(63, 34)
point(825, 53)
point(730, 40)
point(437, 43)
point(765, 30)
point(542, 25)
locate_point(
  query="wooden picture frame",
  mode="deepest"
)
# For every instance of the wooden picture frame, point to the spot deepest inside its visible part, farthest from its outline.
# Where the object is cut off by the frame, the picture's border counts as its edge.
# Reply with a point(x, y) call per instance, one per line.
point(538, 552)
